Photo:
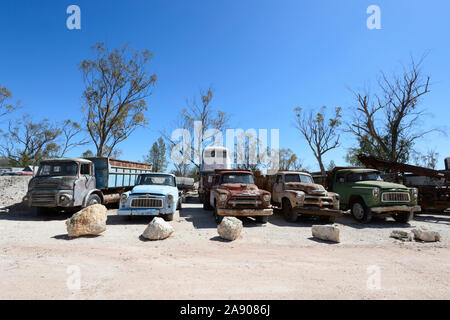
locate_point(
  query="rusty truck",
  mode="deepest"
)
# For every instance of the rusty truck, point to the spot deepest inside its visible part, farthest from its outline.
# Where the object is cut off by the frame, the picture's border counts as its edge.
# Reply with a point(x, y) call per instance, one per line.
point(68, 184)
point(295, 193)
point(234, 193)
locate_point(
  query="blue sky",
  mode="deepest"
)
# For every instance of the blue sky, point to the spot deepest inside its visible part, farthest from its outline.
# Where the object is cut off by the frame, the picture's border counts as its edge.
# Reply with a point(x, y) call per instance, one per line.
point(262, 57)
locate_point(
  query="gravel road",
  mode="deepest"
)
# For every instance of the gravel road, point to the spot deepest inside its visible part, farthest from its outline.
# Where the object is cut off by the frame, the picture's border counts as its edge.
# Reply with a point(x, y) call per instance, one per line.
point(279, 260)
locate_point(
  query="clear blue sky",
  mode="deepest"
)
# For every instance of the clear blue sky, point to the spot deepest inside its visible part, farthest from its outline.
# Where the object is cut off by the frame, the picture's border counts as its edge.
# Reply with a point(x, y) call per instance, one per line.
point(262, 57)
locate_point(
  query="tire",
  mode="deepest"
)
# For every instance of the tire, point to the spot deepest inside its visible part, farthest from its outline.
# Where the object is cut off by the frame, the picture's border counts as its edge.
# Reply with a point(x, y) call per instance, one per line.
point(217, 217)
point(403, 217)
point(206, 205)
point(288, 213)
point(93, 199)
point(179, 205)
point(168, 217)
point(262, 219)
point(327, 219)
point(360, 211)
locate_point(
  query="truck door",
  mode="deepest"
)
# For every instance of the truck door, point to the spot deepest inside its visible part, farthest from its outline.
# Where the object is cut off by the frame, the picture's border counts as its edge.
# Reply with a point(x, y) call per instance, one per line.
point(278, 188)
point(84, 184)
point(339, 187)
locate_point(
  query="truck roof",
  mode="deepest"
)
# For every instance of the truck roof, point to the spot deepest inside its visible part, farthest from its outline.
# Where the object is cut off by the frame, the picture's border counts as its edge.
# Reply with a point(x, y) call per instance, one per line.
point(68, 159)
point(218, 171)
point(292, 172)
point(355, 169)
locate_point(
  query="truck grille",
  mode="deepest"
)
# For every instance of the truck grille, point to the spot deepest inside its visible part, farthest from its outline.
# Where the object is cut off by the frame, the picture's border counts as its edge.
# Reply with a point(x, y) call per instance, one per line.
point(244, 202)
point(43, 199)
point(395, 197)
point(146, 203)
point(321, 202)
point(46, 185)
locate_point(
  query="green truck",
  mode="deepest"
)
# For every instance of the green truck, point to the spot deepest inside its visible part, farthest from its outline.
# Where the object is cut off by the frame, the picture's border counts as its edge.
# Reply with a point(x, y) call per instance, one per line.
point(365, 194)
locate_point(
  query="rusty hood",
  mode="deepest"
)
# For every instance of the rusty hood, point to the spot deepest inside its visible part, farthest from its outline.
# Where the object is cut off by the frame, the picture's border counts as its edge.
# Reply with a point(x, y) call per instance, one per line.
point(241, 189)
point(308, 188)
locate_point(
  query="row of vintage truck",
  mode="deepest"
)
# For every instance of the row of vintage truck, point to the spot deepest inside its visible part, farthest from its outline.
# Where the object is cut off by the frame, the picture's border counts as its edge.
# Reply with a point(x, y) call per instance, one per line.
point(73, 183)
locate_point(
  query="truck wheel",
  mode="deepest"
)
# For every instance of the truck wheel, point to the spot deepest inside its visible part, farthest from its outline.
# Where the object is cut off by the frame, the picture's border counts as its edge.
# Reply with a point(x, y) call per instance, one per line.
point(288, 213)
point(217, 217)
point(168, 217)
point(206, 205)
point(403, 217)
point(360, 211)
point(262, 219)
point(93, 199)
point(179, 206)
point(327, 219)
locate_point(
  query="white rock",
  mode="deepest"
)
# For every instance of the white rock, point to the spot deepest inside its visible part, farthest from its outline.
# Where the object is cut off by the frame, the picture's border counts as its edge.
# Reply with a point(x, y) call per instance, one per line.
point(230, 228)
point(158, 229)
point(426, 235)
point(400, 234)
point(89, 221)
point(328, 233)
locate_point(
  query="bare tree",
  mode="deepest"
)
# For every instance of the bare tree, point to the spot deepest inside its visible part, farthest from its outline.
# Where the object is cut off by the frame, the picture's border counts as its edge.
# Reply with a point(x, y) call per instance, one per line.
point(28, 142)
point(321, 134)
point(207, 117)
point(116, 86)
point(70, 131)
point(387, 124)
point(5, 106)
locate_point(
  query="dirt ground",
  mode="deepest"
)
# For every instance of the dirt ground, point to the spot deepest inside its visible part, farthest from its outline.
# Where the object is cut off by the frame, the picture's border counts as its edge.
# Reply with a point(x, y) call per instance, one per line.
point(279, 260)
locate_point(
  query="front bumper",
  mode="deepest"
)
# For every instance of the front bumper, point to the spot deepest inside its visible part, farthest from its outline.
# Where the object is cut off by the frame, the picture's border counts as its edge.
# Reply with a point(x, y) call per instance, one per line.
point(49, 198)
point(143, 212)
point(244, 212)
point(319, 211)
point(394, 209)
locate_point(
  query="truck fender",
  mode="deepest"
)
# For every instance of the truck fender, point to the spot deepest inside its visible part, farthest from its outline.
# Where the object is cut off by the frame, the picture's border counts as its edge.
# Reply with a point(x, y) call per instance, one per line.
point(96, 191)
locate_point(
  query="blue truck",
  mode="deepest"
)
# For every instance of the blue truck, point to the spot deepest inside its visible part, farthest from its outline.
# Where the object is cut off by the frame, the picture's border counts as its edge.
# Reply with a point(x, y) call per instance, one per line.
point(69, 184)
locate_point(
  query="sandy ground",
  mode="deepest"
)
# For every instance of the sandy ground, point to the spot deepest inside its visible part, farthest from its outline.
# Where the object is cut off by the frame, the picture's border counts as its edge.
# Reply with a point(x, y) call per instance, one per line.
point(279, 260)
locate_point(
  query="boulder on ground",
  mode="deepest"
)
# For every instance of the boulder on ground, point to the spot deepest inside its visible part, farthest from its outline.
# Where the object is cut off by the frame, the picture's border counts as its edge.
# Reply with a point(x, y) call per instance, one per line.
point(230, 228)
point(426, 235)
point(89, 221)
point(158, 229)
point(402, 235)
point(324, 232)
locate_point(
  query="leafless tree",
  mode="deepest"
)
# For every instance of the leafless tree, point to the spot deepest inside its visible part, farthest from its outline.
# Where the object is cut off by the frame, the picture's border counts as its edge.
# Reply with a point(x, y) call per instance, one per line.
point(208, 118)
point(321, 134)
point(387, 124)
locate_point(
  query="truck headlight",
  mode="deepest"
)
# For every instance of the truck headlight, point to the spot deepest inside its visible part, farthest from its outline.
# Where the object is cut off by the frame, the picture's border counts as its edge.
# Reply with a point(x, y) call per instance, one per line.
point(375, 193)
point(123, 200)
point(415, 193)
point(223, 197)
point(266, 197)
point(299, 195)
point(337, 197)
point(169, 200)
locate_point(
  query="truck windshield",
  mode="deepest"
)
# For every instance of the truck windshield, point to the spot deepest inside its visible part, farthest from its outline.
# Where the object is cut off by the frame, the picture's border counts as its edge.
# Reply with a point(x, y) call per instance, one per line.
point(364, 176)
point(237, 178)
point(298, 178)
point(58, 169)
point(156, 179)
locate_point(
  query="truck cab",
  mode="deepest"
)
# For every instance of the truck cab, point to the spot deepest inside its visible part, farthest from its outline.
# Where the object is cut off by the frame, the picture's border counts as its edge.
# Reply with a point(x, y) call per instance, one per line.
point(63, 184)
point(68, 184)
point(364, 193)
point(295, 193)
point(234, 193)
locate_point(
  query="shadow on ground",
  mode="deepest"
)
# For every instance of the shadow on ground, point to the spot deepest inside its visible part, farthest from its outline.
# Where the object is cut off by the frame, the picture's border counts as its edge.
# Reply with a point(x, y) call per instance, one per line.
point(204, 219)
